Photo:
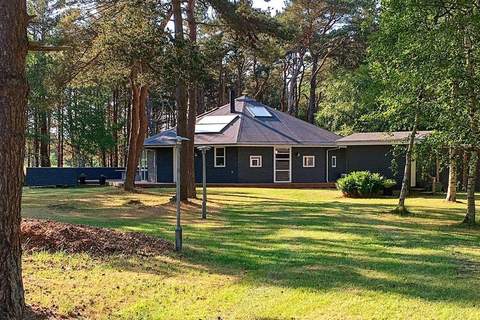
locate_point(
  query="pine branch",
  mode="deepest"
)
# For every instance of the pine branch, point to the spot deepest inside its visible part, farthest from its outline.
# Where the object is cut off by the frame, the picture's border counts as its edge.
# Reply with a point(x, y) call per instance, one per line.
point(37, 46)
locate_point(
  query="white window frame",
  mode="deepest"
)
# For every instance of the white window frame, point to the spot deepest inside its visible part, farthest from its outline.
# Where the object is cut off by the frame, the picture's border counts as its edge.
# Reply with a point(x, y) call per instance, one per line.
point(334, 161)
point(258, 158)
point(305, 159)
point(219, 157)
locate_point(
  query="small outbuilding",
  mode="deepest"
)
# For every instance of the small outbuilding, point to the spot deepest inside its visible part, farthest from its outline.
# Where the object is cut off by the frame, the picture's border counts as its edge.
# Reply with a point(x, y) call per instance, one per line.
point(375, 152)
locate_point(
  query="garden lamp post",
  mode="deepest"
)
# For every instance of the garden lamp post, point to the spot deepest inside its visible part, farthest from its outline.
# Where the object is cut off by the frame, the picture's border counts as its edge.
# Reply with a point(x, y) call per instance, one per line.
point(178, 228)
point(204, 150)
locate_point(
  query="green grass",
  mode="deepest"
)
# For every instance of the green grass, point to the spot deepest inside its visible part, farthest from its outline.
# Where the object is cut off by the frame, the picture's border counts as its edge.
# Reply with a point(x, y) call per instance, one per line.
point(263, 254)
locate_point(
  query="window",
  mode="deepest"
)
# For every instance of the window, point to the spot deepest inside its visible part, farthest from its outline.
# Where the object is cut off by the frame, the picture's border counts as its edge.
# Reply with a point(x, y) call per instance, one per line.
point(213, 124)
point(334, 161)
point(309, 161)
point(219, 157)
point(259, 111)
point(255, 161)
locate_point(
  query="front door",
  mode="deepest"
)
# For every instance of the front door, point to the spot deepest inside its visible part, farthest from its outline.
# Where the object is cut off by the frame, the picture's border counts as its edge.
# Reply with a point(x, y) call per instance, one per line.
point(282, 164)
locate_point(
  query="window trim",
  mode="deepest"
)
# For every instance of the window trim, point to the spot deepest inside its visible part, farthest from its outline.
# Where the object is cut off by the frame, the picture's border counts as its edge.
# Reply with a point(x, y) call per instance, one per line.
point(334, 161)
point(219, 157)
point(305, 163)
point(256, 157)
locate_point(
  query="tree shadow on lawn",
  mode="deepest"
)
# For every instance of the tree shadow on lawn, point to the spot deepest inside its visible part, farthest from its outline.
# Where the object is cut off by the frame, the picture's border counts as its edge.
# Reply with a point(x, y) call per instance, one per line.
point(328, 245)
point(320, 246)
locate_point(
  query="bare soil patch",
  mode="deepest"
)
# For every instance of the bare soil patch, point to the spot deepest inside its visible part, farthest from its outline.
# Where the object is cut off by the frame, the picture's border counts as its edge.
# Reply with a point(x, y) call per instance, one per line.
point(35, 312)
point(52, 236)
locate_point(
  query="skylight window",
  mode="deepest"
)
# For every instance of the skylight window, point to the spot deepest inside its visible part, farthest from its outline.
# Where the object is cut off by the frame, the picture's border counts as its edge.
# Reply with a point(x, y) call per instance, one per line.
point(259, 111)
point(213, 124)
point(217, 119)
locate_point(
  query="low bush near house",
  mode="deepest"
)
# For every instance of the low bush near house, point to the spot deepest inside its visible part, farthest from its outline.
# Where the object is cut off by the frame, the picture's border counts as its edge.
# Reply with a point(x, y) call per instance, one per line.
point(363, 184)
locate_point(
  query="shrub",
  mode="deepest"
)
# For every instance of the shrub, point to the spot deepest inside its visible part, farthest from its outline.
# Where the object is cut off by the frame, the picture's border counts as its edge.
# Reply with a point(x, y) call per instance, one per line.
point(389, 183)
point(363, 184)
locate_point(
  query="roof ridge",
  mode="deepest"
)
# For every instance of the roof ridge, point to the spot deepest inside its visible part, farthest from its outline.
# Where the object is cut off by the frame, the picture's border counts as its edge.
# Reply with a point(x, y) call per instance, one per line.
point(290, 136)
point(210, 111)
point(402, 131)
point(305, 122)
point(240, 117)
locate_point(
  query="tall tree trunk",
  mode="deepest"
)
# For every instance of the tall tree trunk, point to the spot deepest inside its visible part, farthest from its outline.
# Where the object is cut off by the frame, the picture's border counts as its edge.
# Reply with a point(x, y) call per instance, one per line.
point(128, 115)
point(60, 137)
point(131, 167)
point(28, 151)
point(239, 84)
point(151, 118)
point(312, 100)
point(13, 102)
point(466, 160)
point(103, 156)
point(221, 86)
point(408, 170)
point(300, 85)
point(138, 131)
point(452, 177)
point(200, 100)
point(109, 126)
point(115, 128)
point(283, 97)
point(293, 91)
point(470, 65)
point(143, 123)
point(44, 139)
point(472, 178)
point(189, 163)
point(36, 140)
point(292, 95)
point(181, 97)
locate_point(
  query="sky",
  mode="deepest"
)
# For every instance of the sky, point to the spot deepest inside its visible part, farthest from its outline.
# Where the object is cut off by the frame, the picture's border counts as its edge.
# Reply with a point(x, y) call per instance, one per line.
point(275, 4)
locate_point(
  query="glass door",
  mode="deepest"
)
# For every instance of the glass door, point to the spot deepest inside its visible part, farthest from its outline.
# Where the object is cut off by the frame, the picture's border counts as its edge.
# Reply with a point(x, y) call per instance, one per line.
point(282, 164)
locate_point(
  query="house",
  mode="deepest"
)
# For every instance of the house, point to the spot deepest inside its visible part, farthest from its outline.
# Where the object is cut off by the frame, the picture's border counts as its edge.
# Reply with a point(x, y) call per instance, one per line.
point(252, 143)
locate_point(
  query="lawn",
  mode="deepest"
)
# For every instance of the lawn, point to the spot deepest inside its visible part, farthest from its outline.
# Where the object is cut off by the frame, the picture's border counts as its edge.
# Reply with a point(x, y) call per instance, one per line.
point(262, 254)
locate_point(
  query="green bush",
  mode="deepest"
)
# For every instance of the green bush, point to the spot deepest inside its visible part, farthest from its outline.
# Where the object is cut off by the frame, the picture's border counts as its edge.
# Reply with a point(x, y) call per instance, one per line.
point(363, 184)
point(389, 183)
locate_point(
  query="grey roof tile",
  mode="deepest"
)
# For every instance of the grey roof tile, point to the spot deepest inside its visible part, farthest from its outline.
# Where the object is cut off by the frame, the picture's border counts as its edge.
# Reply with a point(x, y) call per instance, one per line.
point(281, 129)
point(381, 137)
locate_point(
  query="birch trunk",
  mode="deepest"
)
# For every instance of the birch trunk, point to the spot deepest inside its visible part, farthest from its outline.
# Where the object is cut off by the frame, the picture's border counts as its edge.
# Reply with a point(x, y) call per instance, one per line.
point(452, 177)
point(472, 177)
point(466, 160)
point(408, 169)
point(470, 65)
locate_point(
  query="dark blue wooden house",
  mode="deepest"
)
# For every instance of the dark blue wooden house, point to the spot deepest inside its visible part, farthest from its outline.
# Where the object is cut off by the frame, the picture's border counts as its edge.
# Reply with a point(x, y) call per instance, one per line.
point(251, 143)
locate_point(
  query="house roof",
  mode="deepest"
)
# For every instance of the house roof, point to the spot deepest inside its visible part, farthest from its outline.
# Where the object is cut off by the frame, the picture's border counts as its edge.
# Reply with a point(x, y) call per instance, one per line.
point(246, 129)
point(380, 138)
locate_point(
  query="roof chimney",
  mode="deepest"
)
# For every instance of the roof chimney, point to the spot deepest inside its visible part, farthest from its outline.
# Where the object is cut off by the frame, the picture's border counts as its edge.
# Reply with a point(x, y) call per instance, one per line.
point(232, 101)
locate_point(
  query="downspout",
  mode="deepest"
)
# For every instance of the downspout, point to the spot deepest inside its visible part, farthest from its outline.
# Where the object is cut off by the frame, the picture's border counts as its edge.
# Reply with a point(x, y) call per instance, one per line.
point(326, 173)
